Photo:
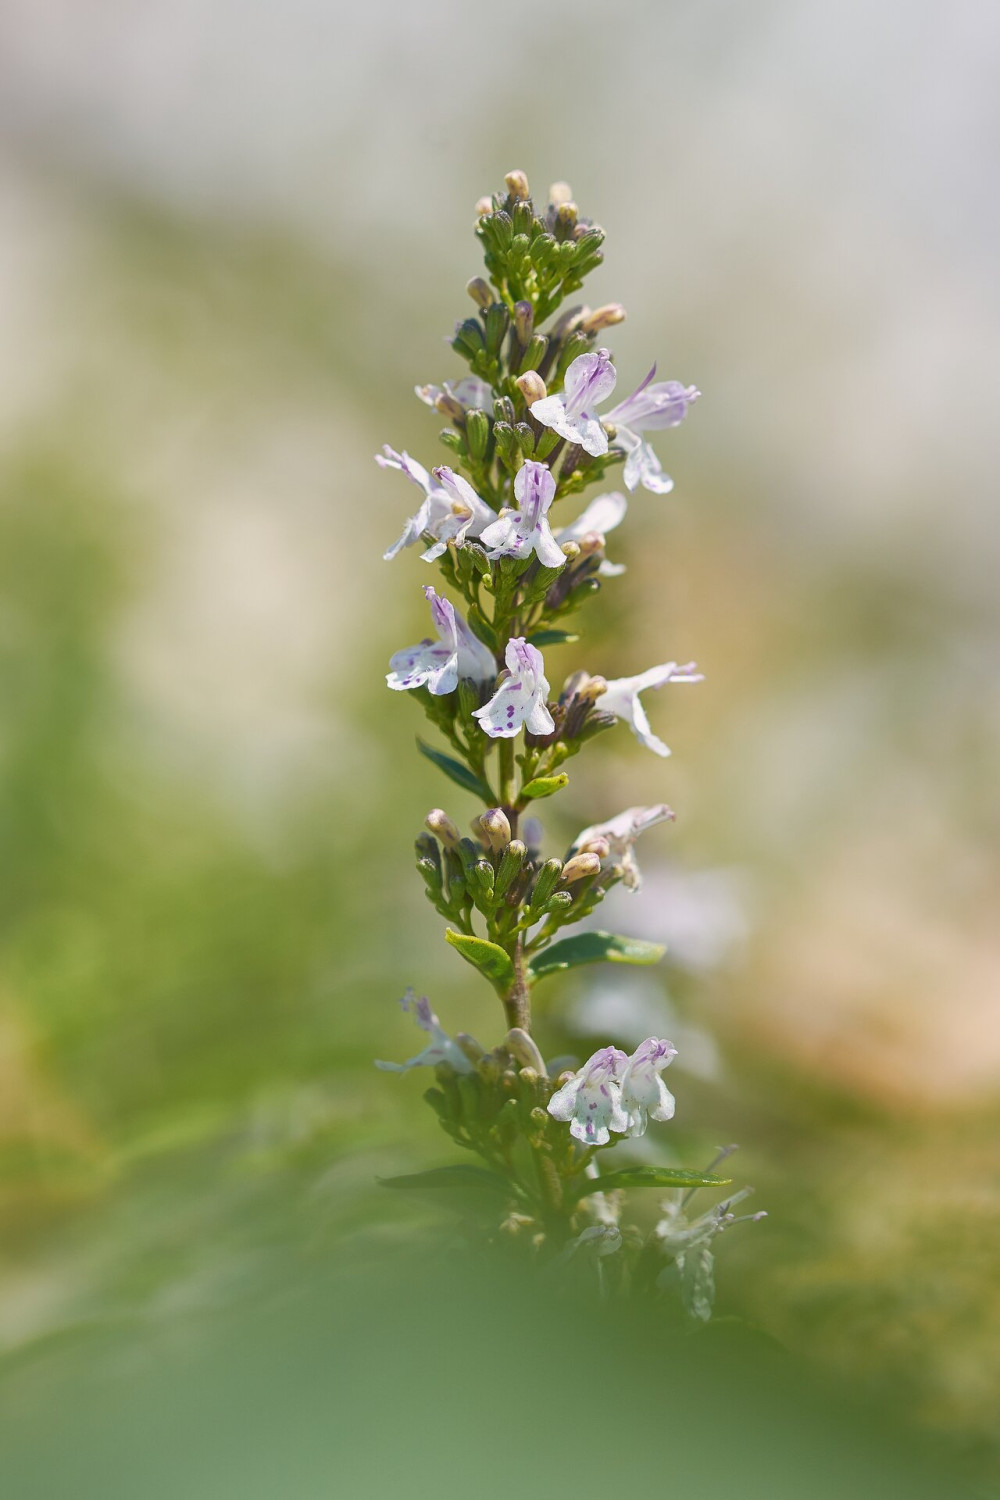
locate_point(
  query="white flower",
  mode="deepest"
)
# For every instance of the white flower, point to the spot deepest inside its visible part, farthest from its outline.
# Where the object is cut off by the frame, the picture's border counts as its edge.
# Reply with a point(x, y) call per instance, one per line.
point(469, 392)
point(649, 407)
point(469, 515)
point(450, 510)
point(440, 1048)
point(518, 533)
point(621, 834)
point(613, 1091)
point(601, 516)
point(520, 697)
point(591, 1100)
point(644, 1095)
point(621, 698)
point(439, 664)
point(589, 380)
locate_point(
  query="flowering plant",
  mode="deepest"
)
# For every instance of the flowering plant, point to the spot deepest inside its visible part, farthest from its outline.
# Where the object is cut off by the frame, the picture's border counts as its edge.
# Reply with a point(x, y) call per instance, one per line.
point(526, 436)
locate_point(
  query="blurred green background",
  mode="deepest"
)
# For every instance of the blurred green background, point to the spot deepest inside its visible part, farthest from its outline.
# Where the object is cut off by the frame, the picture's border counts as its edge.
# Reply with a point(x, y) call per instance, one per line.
point(232, 241)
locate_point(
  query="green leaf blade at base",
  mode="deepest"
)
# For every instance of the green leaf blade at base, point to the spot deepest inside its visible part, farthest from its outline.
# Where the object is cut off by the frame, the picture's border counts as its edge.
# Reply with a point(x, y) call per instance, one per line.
point(661, 1177)
point(594, 948)
point(456, 772)
point(489, 958)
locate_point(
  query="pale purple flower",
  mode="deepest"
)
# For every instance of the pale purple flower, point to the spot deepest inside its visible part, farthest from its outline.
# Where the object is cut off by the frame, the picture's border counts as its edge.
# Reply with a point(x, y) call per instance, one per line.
point(469, 515)
point(649, 408)
point(439, 664)
point(450, 510)
point(518, 533)
point(621, 833)
point(601, 516)
point(440, 1048)
point(521, 695)
point(469, 392)
point(644, 1095)
point(621, 698)
point(591, 1099)
point(589, 380)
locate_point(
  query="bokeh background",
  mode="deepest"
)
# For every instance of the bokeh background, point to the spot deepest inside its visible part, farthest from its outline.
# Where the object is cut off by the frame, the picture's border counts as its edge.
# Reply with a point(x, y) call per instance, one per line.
point(233, 238)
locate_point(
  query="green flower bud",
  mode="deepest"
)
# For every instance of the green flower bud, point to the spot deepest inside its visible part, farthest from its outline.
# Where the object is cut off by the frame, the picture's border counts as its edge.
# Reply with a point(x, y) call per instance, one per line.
point(477, 432)
point(545, 883)
point(497, 323)
point(509, 868)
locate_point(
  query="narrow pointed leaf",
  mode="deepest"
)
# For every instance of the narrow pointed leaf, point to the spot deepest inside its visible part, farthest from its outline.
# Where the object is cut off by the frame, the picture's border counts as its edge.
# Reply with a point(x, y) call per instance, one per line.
point(658, 1177)
point(460, 1177)
point(552, 638)
point(489, 958)
point(594, 948)
point(459, 774)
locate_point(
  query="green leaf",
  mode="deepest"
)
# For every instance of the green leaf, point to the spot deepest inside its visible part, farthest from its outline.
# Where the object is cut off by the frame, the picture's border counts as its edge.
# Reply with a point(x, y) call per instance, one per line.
point(459, 774)
point(489, 958)
point(460, 1176)
point(544, 786)
point(594, 948)
point(659, 1177)
point(552, 638)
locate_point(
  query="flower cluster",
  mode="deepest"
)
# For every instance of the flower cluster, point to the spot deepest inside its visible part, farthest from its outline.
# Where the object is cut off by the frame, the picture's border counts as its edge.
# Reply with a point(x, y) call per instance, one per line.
point(529, 428)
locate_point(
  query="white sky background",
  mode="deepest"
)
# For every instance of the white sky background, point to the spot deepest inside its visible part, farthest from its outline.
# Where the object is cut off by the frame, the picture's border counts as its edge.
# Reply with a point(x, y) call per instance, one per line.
point(801, 196)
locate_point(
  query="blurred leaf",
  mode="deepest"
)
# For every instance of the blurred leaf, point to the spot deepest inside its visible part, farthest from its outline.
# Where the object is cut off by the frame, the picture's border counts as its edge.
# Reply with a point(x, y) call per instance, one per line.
point(544, 786)
point(660, 1177)
point(552, 638)
point(458, 773)
point(594, 948)
point(460, 1176)
point(488, 958)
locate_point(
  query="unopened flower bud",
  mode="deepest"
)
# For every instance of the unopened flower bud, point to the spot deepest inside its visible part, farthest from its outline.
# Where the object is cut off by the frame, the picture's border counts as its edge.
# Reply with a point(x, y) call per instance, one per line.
point(478, 289)
point(559, 193)
point(590, 543)
point(603, 317)
point(439, 823)
point(522, 1046)
point(484, 206)
point(510, 867)
point(571, 549)
point(584, 687)
point(597, 845)
point(472, 1049)
point(567, 214)
point(532, 386)
point(517, 184)
point(524, 321)
point(496, 827)
point(546, 881)
point(477, 431)
point(580, 867)
point(449, 407)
